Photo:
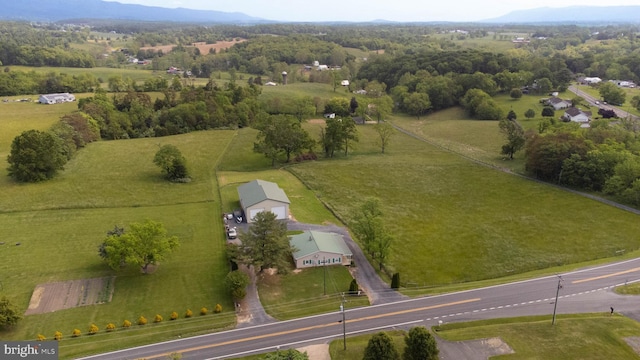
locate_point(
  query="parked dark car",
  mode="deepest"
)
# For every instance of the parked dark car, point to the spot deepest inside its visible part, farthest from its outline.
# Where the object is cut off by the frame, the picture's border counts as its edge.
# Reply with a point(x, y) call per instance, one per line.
point(238, 216)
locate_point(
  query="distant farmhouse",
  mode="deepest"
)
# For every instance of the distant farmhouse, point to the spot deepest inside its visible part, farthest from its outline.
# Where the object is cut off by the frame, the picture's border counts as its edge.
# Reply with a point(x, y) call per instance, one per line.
point(259, 195)
point(51, 99)
point(316, 248)
point(558, 103)
point(576, 115)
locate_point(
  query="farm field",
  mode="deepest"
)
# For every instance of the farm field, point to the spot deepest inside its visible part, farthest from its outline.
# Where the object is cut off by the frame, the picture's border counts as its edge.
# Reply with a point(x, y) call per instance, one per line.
point(455, 221)
point(59, 225)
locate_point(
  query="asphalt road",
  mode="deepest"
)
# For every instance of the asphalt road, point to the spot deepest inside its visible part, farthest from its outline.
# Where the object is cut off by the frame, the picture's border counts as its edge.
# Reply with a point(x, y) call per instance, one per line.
point(586, 290)
point(592, 101)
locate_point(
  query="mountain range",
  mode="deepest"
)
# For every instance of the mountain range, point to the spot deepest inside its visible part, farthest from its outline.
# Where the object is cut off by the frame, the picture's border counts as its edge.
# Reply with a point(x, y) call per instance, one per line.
point(59, 10)
point(69, 10)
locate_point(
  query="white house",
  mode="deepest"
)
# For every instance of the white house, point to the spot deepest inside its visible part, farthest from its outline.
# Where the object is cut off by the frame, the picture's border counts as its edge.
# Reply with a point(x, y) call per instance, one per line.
point(322, 67)
point(344, 83)
point(259, 195)
point(576, 115)
point(592, 80)
point(56, 98)
point(558, 103)
point(270, 83)
point(316, 248)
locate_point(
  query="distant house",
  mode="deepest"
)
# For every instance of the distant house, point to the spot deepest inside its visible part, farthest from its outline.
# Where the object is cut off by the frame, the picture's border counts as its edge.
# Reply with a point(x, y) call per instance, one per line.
point(322, 67)
point(56, 98)
point(591, 80)
point(558, 103)
point(576, 115)
point(344, 83)
point(259, 195)
point(316, 248)
point(270, 83)
point(330, 115)
point(360, 92)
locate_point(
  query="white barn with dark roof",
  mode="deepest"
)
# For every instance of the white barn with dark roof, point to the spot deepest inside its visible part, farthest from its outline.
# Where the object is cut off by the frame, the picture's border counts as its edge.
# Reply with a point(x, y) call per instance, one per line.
point(259, 195)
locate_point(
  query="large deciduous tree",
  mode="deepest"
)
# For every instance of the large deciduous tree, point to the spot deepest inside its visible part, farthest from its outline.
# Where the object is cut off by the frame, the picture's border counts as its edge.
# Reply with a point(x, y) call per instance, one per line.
point(385, 132)
point(420, 345)
point(281, 134)
point(173, 164)
point(35, 156)
point(142, 245)
point(381, 347)
point(417, 104)
point(337, 135)
point(266, 244)
point(515, 137)
point(611, 93)
point(368, 226)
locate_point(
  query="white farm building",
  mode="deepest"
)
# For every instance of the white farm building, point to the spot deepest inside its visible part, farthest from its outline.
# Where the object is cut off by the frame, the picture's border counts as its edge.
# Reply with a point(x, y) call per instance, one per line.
point(259, 195)
point(56, 98)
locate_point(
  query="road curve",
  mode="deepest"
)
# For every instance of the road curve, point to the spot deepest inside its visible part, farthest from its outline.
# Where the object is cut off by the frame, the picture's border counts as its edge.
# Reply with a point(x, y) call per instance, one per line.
point(585, 290)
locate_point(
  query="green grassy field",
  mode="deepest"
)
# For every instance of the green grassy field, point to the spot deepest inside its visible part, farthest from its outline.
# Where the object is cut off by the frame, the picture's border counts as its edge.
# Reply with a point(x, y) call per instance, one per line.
point(60, 224)
point(456, 221)
point(588, 336)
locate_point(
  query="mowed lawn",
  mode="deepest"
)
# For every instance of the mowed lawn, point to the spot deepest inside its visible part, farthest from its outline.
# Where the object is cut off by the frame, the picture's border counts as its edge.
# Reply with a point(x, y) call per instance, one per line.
point(60, 224)
point(456, 221)
point(584, 336)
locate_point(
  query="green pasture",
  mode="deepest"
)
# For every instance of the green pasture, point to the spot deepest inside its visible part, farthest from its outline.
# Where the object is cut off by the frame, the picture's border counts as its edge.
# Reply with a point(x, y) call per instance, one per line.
point(586, 336)
point(307, 291)
point(60, 224)
point(456, 221)
point(16, 117)
point(104, 73)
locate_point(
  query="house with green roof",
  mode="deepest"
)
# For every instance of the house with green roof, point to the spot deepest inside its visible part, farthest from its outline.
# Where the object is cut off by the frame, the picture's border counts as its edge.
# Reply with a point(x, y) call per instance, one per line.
point(259, 195)
point(317, 248)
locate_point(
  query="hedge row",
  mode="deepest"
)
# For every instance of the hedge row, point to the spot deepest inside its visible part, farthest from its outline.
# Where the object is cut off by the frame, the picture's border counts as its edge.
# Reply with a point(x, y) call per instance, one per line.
point(93, 328)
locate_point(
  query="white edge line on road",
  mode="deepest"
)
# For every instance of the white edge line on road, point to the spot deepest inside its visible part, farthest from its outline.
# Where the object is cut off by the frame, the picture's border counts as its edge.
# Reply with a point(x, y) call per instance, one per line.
point(370, 307)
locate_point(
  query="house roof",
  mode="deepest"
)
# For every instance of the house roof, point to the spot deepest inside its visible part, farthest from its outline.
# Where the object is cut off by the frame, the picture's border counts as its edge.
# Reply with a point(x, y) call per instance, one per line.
point(573, 112)
point(310, 242)
point(61, 96)
point(257, 191)
point(556, 100)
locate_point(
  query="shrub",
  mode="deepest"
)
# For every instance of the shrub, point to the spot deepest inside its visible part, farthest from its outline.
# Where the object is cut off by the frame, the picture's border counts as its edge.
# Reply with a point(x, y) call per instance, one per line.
point(174, 315)
point(188, 314)
point(142, 320)
point(158, 318)
point(218, 309)
point(204, 311)
point(110, 327)
point(395, 281)
point(353, 287)
point(57, 335)
point(41, 337)
point(76, 333)
point(93, 329)
point(126, 324)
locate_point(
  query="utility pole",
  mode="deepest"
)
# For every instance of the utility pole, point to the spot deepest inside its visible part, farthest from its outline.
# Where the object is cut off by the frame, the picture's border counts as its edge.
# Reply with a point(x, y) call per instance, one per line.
point(344, 323)
point(555, 304)
point(324, 265)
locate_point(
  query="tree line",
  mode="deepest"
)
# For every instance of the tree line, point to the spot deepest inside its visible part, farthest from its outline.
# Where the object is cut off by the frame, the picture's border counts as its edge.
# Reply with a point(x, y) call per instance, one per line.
point(14, 82)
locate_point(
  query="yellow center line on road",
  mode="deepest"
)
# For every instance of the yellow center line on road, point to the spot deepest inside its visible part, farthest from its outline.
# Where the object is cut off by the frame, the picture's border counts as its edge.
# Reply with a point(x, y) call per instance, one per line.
point(606, 276)
point(315, 327)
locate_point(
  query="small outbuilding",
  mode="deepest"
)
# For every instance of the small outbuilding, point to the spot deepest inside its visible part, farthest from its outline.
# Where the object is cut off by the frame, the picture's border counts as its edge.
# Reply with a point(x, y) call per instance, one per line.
point(259, 195)
point(317, 248)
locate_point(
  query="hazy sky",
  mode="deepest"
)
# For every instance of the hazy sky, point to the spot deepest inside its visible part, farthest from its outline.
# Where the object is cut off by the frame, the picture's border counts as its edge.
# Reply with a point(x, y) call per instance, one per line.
point(366, 10)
